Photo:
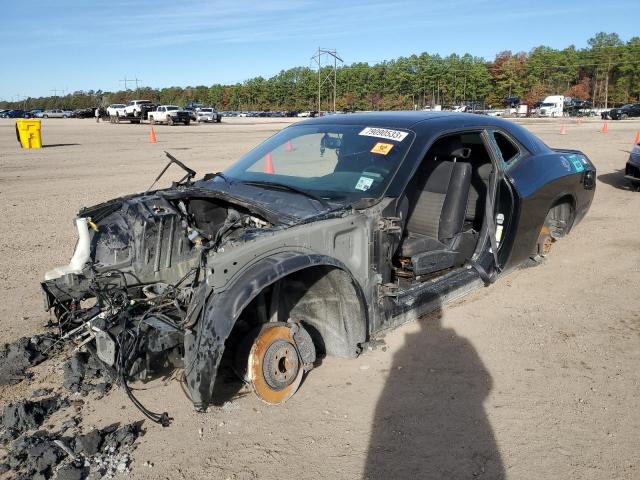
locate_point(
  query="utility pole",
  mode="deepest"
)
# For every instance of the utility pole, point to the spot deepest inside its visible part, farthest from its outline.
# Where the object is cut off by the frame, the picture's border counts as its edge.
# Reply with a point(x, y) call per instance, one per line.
point(136, 80)
point(125, 80)
point(327, 54)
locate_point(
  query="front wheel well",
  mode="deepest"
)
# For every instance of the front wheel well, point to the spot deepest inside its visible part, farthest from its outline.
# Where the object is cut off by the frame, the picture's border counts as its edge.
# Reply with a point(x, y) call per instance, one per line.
point(323, 299)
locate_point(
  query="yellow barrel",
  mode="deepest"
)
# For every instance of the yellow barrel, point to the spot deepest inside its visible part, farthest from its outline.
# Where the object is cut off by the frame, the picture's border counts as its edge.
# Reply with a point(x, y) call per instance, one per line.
point(28, 133)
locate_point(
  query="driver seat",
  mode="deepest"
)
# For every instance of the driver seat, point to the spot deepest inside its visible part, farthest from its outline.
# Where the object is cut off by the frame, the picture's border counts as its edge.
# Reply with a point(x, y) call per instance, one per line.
point(435, 226)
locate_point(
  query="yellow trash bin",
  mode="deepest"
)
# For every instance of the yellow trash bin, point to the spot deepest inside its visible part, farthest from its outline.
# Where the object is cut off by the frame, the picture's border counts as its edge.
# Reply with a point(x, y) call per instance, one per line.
point(28, 133)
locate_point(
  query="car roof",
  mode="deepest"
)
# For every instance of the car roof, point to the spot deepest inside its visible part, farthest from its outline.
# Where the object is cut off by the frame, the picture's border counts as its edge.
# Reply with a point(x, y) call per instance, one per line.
point(430, 123)
point(408, 119)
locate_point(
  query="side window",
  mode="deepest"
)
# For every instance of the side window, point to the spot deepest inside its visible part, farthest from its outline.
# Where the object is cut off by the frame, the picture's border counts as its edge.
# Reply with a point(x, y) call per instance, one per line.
point(508, 150)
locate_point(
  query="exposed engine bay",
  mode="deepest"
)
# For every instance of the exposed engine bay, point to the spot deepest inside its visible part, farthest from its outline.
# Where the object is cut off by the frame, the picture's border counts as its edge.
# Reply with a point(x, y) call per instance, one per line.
point(127, 293)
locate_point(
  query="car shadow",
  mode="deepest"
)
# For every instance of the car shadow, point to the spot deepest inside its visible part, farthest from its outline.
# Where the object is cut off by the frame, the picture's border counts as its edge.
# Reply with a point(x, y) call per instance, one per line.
point(616, 179)
point(430, 421)
point(53, 145)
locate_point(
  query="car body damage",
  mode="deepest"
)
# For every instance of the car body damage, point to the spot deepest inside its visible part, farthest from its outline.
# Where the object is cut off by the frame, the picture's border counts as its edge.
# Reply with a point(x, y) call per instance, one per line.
point(329, 232)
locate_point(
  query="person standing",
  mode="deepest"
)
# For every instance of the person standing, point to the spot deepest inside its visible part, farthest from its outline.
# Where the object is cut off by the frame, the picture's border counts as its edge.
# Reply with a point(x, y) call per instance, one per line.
point(97, 114)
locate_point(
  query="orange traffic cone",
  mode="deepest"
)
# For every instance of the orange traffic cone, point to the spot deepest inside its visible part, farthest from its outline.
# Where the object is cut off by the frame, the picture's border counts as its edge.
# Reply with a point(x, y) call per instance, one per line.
point(152, 136)
point(636, 140)
point(289, 146)
point(563, 130)
point(268, 164)
point(605, 128)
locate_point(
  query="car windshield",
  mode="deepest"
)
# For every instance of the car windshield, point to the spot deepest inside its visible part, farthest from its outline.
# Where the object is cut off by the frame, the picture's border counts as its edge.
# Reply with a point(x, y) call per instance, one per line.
point(206, 110)
point(341, 163)
point(173, 107)
point(548, 104)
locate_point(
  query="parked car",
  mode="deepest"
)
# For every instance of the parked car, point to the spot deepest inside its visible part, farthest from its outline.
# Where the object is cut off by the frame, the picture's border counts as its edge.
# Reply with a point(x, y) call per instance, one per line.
point(206, 114)
point(116, 109)
point(55, 113)
point(632, 169)
point(169, 114)
point(84, 113)
point(326, 234)
point(626, 111)
point(15, 114)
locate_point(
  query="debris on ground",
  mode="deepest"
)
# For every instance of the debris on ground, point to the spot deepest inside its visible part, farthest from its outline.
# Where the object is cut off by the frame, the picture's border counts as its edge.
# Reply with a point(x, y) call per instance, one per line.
point(18, 417)
point(100, 453)
point(17, 357)
point(83, 373)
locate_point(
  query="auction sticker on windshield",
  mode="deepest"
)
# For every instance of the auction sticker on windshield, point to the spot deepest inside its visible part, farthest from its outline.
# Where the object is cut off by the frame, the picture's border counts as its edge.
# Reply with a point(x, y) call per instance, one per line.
point(382, 148)
point(396, 135)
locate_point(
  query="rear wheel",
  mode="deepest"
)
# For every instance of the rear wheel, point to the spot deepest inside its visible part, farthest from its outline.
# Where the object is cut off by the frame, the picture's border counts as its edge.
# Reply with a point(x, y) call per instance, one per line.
point(152, 121)
point(556, 225)
point(187, 121)
point(169, 120)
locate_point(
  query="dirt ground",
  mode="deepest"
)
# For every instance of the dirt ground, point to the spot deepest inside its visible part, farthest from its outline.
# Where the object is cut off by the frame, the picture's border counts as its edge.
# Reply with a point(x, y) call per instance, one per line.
point(535, 377)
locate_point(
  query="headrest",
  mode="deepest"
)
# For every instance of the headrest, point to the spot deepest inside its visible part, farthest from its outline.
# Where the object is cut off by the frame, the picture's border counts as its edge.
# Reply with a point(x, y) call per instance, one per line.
point(450, 147)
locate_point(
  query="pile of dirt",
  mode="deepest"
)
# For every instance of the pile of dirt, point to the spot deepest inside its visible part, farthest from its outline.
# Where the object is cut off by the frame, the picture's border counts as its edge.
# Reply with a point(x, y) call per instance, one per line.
point(17, 357)
point(100, 453)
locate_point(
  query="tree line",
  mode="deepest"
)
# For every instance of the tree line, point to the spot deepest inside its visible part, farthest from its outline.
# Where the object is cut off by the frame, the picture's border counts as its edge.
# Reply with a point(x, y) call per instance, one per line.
point(606, 71)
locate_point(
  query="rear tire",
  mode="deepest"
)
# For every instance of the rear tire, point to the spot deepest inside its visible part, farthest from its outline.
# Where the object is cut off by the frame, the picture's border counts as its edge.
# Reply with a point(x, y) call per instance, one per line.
point(169, 120)
point(152, 121)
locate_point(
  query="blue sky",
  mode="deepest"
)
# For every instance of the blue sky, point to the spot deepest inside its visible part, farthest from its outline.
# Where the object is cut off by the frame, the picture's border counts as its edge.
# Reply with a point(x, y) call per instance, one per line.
point(85, 44)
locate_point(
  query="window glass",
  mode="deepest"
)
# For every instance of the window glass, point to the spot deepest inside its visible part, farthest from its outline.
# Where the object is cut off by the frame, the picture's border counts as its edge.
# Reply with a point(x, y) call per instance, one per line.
point(508, 150)
point(343, 163)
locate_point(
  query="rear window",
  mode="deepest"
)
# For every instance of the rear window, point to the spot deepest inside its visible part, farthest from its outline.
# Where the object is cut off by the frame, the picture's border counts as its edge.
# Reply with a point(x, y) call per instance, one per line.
point(508, 150)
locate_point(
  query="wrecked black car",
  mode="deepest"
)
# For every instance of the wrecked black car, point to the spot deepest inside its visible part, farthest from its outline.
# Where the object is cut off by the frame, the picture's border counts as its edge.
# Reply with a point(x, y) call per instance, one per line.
point(632, 168)
point(326, 234)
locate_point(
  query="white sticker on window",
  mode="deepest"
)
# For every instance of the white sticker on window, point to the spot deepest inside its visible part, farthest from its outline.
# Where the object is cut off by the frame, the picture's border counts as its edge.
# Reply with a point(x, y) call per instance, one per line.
point(396, 135)
point(364, 184)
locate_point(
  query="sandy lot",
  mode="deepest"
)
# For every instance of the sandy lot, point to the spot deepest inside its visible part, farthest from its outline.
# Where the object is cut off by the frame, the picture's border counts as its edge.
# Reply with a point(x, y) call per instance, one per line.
point(534, 377)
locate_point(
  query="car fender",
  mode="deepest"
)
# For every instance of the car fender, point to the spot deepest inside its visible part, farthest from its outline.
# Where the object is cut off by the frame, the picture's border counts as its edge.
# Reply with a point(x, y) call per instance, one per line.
point(541, 182)
point(205, 342)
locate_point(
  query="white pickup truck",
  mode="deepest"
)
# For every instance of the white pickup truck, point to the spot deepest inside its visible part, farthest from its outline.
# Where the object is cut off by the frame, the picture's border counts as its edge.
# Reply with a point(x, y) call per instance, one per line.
point(169, 114)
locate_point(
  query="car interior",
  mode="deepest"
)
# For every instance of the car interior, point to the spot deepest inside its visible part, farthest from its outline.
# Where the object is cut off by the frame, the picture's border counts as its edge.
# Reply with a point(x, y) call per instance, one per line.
point(443, 208)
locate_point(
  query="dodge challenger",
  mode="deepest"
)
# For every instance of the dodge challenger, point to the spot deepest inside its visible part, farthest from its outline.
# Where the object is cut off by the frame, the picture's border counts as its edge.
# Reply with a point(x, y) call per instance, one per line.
point(328, 233)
